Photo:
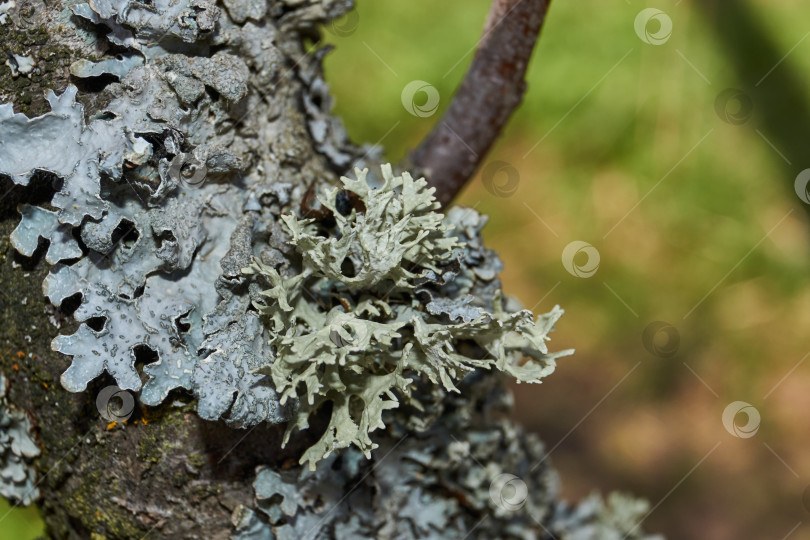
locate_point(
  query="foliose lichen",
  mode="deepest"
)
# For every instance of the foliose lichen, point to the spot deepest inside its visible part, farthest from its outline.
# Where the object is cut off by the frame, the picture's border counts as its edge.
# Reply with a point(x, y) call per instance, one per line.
point(160, 196)
point(618, 517)
point(473, 475)
point(381, 308)
point(17, 450)
point(362, 313)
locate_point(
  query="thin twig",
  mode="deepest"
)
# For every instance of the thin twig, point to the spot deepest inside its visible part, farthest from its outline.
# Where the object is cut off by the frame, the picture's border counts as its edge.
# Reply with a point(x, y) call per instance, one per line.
point(491, 90)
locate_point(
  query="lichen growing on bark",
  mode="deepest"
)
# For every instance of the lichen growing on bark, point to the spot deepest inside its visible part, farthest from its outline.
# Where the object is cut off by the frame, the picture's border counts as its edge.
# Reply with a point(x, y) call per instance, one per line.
point(212, 124)
point(428, 484)
point(158, 274)
point(17, 449)
point(363, 312)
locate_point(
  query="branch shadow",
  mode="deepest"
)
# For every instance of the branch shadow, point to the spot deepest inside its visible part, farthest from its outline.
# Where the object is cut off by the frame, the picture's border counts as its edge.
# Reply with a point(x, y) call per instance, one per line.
point(781, 108)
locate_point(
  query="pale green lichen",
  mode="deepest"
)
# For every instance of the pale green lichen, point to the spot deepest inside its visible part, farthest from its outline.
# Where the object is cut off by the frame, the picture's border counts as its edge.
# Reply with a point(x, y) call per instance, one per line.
point(349, 324)
point(399, 227)
point(472, 475)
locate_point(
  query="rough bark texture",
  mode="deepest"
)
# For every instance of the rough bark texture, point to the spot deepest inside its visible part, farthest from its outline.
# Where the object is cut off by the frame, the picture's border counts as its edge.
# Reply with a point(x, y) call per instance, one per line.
point(491, 90)
point(166, 472)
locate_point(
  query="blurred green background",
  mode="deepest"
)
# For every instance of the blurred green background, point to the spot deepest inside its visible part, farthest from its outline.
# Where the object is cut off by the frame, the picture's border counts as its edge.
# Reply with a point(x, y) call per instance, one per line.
point(688, 196)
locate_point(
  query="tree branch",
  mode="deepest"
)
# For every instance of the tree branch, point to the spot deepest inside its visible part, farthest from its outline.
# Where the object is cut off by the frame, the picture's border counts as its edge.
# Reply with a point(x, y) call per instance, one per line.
point(491, 90)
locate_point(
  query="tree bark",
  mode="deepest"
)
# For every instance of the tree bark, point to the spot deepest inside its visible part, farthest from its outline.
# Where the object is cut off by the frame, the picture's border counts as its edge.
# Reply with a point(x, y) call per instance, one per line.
point(165, 472)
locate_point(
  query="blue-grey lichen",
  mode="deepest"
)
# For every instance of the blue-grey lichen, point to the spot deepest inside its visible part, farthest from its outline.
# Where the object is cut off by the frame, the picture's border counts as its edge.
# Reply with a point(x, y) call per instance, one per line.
point(158, 264)
point(17, 449)
point(472, 475)
point(111, 66)
point(347, 327)
point(132, 23)
point(617, 518)
point(142, 232)
point(39, 223)
point(218, 124)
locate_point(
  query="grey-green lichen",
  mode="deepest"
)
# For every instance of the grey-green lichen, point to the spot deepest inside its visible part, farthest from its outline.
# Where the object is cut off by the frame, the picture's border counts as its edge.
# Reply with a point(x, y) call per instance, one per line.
point(353, 321)
point(217, 124)
point(472, 475)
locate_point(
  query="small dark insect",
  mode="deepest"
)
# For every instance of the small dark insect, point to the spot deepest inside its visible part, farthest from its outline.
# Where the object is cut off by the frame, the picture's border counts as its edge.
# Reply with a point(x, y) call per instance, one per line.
point(345, 201)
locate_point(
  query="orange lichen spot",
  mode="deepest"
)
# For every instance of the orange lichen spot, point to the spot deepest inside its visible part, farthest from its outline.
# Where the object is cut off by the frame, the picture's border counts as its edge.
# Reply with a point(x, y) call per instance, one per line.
point(20, 354)
point(15, 367)
point(45, 385)
point(111, 425)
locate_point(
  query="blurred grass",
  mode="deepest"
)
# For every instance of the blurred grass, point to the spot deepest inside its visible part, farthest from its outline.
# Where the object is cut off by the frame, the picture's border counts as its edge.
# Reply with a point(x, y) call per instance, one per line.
point(618, 144)
point(20, 523)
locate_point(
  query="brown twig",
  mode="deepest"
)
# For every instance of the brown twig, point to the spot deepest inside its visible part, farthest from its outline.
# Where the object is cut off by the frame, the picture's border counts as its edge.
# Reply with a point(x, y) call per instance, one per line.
point(491, 90)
